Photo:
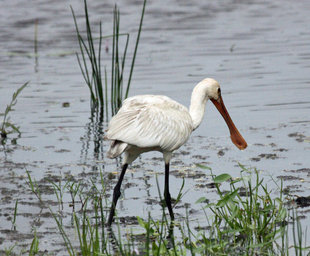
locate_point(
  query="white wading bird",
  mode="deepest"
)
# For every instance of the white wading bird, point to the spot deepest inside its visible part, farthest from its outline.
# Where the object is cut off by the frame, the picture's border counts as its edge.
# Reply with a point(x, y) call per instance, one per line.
point(157, 123)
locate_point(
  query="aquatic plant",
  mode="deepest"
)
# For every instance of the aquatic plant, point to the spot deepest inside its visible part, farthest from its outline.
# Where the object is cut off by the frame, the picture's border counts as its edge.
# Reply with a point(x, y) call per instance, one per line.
point(250, 221)
point(89, 62)
point(7, 126)
point(14, 216)
point(244, 220)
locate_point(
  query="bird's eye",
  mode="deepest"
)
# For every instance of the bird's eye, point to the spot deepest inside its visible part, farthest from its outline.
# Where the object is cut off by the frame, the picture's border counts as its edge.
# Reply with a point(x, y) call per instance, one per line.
point(219, 90)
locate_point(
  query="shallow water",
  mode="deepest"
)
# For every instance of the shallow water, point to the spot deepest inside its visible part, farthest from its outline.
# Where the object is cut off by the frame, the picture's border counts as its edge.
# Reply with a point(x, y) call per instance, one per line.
point(258, 51)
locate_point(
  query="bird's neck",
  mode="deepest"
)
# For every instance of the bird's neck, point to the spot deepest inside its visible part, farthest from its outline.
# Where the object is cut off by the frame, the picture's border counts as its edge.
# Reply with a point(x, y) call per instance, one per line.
point(197, 107)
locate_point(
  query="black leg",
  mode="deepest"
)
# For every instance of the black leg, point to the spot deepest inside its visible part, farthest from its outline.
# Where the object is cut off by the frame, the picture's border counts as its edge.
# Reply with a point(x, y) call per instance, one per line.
point(116, 194)
point(167, 193)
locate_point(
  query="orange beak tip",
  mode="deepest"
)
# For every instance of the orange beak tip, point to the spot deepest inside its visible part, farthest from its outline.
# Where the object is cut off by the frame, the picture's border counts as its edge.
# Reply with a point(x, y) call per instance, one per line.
point(235, 136)
point(243, 147)
point(240, 143)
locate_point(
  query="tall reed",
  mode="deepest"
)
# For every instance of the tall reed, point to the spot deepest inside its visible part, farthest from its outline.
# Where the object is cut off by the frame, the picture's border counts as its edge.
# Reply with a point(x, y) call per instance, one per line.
point(92, 74)
point(89, 62)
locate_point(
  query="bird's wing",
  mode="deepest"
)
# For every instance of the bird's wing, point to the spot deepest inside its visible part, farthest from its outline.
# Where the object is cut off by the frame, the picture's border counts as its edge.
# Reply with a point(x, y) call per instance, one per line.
point(151, 121)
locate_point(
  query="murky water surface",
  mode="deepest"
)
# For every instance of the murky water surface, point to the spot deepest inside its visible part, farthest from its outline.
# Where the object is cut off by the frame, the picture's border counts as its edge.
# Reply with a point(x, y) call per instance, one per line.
point(259, 51)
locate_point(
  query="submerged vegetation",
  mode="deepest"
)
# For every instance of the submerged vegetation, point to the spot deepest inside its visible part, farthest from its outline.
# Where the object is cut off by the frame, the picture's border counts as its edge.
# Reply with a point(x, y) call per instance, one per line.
point(7, 126)
point(89, 61)
point(245, 219)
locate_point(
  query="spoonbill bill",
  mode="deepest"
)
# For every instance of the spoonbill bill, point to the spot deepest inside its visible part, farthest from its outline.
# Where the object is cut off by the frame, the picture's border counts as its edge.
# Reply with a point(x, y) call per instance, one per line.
point(157, 123)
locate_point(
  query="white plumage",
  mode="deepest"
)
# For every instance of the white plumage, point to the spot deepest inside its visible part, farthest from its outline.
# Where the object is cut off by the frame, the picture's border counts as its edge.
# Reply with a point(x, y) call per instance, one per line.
point(149, 122)
point(154, 122)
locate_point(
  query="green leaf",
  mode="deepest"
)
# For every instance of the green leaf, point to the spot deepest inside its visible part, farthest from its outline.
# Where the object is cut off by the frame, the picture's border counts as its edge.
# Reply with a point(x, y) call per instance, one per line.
point(203, 167)
point(15, 128)
point(201, 200)
point(221, 178)
point(282, 214)
point(142, 223)
point(210, 205)
point(228, 197)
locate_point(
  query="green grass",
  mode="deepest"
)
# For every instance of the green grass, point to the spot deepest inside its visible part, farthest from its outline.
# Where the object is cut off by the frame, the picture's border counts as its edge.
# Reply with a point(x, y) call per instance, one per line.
point(89, 61)
point(7, 127)
point(246, 218)
point(251, 224)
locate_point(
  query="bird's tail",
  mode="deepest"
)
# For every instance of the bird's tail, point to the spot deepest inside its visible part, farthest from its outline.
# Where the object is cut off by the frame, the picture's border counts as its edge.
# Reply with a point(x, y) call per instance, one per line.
point(116, 148)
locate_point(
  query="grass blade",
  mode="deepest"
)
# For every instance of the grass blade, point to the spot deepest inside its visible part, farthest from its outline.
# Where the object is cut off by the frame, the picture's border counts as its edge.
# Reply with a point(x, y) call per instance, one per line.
point(136, 49)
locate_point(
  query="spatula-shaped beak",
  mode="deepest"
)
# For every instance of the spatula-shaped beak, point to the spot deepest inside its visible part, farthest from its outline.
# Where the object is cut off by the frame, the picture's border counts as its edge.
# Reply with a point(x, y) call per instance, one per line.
point(235, 136)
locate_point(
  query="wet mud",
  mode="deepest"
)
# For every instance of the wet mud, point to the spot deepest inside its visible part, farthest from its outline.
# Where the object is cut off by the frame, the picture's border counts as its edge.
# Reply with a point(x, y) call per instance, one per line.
point(303, 201)
point(258, 51)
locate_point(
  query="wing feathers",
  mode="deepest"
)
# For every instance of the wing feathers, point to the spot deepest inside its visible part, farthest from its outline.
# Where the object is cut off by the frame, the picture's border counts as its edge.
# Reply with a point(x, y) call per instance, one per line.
point(151, 121)
point(116, 148)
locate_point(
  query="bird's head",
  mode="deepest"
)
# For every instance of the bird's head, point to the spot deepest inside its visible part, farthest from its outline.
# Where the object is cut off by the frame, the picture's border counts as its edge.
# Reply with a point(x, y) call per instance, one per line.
point(212, 91)
point(211, 88)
